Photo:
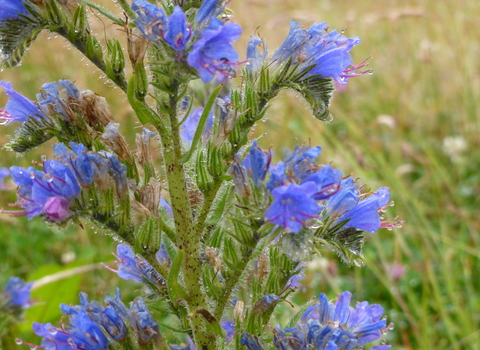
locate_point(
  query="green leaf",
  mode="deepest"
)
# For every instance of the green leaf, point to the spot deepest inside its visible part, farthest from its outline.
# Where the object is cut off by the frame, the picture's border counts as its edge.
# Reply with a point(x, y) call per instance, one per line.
point(30, 135)
point(105, 12)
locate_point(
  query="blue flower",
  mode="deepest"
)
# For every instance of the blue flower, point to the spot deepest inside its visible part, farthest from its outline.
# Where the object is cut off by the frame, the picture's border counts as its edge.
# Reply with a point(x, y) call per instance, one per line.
point(293, 205)
point(329, 51)
point(151, 20)
point(365, 216)
point(300, 163)
point(251, 342)
point(18, 107)
point(259, 163)
point(80, 333)
point(17, 292)
point(229, 326)
point(327, 181)
point(145, 326)
point(325, 325)
point(277, 176)
point(254, 57)
point(178, 33)
point(132, 267)
point(207, 10)
point(10, 9)
point(213, 52)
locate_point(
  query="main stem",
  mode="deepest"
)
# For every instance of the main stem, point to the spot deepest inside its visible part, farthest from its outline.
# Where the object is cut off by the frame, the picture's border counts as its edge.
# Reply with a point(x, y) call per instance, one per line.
point(186, 239)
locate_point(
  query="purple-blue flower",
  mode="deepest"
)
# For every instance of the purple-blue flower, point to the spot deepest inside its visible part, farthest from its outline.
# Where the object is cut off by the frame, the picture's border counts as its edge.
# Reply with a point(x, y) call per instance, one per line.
point(80, 333)
point(327, 181)
point(300, 163)
point(17, 292)
point(91, 321)
point(10, 9)
point(328, 50)
point(178, 32)
point(4, 172)
point(151, 20)
point(18, 107)
point(256, 58)
point(326, 325)
point(132, 267)
point(207, 10)
point(365, 215)
point(213, 52)
point(258, 162)
point(293, 206)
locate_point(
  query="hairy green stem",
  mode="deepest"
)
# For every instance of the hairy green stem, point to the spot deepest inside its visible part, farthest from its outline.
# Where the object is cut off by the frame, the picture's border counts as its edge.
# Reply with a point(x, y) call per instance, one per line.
point(186, 237)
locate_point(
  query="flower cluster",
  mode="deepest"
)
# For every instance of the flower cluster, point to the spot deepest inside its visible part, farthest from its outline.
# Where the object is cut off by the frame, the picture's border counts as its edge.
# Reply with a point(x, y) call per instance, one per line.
point(328, 326)
point(95, 326)
point(49, 192)
point(16, 294)
point(303, 191)
point(327, 51)
point(208, 49)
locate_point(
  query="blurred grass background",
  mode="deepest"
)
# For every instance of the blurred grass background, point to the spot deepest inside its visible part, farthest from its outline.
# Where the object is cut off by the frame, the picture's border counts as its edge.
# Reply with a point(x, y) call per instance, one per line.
point(411, 126)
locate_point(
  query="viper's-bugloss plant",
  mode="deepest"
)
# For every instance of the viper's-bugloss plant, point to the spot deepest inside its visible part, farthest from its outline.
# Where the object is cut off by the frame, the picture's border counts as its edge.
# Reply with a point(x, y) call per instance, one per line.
point(213, 210)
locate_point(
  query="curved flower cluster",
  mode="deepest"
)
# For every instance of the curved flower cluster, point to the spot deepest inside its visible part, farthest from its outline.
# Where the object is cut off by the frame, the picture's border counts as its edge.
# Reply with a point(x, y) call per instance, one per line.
point(328, 50)
point(94, 326)
point(302, 190)
point(51, 100)
point(209, 49)
point(330, 326)
point(49, 192)
point(16, 294)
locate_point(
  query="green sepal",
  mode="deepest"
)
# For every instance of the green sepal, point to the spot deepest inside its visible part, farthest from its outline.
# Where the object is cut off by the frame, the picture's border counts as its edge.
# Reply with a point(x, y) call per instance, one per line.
point(144, 114)
point(115, 62)
point(93, 50)
point(148, 237)
point(204, 180)
point(16, 35)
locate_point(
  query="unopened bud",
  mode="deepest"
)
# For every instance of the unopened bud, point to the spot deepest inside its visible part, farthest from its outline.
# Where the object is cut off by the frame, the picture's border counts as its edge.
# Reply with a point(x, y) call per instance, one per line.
point(116, 141)
point(96, 109)
point(226, 122)
point(56, 208)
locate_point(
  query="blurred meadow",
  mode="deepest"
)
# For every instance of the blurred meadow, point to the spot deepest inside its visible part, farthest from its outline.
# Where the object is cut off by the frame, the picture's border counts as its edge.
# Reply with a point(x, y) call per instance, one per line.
point(412, 126)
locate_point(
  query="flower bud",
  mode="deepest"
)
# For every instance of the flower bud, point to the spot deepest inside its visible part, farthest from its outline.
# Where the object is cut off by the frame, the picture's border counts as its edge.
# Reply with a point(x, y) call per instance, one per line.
point(56, 208)
point(150, 195)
